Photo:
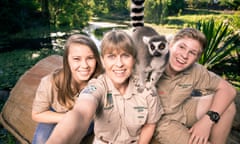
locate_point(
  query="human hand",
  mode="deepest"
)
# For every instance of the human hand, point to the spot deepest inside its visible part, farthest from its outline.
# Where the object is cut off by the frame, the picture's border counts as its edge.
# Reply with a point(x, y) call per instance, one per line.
point(200, 131)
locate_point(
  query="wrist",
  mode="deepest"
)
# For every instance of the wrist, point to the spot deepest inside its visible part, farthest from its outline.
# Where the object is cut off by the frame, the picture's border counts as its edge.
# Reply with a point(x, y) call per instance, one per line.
point(213, 116)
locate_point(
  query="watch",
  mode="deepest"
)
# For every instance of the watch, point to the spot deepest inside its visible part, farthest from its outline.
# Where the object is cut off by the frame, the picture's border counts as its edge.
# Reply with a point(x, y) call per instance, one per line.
point(214, 116)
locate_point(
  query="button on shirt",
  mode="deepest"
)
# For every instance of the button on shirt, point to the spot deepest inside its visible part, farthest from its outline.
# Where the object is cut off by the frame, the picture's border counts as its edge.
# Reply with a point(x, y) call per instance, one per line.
point(119, 118)
point(174, 91)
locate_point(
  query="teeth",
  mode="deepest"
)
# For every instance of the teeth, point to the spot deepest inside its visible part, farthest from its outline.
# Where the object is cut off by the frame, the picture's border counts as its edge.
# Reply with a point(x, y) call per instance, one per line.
point(83, 72)
point(118, 71)
point(181, 61)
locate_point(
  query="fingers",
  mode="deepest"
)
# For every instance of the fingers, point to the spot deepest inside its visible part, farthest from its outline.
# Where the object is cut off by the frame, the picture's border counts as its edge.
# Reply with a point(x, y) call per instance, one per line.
point(197, 140)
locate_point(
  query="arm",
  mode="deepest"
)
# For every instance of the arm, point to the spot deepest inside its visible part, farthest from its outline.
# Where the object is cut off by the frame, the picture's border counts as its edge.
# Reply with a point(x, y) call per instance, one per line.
point(75, 123)
point(223, 97)
point(147, 133)
point(47, 116)
point(42, 102)
point(221, 101)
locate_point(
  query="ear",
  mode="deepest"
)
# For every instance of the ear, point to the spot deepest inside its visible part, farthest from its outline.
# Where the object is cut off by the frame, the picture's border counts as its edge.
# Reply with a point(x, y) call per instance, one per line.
point(146, 39)
point(169, 38)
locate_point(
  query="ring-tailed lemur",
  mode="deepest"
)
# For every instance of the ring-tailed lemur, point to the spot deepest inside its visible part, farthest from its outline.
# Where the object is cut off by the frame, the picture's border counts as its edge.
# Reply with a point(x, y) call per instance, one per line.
point(152, 50)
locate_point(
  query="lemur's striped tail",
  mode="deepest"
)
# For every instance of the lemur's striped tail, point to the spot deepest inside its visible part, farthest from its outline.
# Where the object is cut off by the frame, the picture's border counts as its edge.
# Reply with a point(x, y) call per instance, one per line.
point(137, 13)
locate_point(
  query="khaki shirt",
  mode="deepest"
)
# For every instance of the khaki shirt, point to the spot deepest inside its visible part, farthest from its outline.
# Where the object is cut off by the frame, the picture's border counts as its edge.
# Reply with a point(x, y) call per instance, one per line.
point(174, 91)
point(46, 96)
point(119, 118)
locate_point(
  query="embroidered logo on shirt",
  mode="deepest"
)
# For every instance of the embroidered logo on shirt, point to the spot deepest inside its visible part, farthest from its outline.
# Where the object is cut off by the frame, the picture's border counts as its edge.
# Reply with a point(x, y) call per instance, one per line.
point(108, 103)
point(139, 108)
point(161, 92)
point(89, 89)
point(184, 85)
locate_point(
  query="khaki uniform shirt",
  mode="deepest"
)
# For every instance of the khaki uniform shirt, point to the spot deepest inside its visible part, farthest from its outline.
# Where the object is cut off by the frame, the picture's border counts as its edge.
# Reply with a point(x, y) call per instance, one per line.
point(119, 118)
point(46, 97)
point(174, 91)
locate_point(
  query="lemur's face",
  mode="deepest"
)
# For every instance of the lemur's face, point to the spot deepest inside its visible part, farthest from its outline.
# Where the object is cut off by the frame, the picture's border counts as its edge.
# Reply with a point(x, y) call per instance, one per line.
point(157, 46)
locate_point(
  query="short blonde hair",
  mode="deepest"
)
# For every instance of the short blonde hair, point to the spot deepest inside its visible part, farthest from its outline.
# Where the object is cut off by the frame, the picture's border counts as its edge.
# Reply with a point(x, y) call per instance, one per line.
point(191, 33)
point(117, 40)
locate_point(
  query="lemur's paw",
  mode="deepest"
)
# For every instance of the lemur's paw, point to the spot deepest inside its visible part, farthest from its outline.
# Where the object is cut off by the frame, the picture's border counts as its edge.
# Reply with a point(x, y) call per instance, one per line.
point(148, 85)
point(148, 69)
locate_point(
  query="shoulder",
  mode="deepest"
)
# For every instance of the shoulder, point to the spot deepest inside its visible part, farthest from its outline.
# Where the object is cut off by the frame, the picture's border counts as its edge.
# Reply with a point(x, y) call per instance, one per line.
point(100, 80)
point(47, 80)
point(202, 76)
point(198, 70)
point(95, 85)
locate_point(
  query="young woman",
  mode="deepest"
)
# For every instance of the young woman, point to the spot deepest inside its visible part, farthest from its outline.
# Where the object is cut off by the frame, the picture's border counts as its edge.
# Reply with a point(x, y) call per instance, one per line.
point(187, 120)
point(58, 91)
point(121, 114)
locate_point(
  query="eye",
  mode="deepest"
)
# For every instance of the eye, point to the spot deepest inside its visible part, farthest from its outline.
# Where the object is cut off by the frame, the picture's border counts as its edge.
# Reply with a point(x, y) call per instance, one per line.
point(162, 46)
point(193, 53)
point(126, 55)
point(76, 58)
point(111, 56)
point(90, 58)
point(182, 47)
point(152, 46)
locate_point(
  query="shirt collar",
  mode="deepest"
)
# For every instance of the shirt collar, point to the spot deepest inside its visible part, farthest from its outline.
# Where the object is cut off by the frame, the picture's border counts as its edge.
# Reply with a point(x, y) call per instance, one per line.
point(130, 91)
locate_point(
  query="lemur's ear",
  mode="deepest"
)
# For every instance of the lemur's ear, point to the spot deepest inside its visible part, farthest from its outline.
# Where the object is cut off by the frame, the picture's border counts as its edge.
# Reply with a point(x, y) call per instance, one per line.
point(146, 39)
point(169, 37)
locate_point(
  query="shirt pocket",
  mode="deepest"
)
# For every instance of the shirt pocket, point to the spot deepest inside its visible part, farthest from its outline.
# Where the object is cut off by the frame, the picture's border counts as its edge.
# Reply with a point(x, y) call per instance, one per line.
point(180, 94)
point(135, 118)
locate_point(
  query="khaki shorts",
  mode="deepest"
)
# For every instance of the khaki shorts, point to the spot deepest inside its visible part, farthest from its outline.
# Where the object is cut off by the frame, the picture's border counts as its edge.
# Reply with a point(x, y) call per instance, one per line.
point(174, 132)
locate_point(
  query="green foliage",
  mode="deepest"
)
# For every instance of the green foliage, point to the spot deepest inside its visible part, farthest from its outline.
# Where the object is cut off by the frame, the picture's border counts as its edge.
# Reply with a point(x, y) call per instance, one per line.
point(174, 6)
point(15, 63)
point(111, 9)
point(219, 56)
point(234, 4)
point(100, 7)
point(191, 17)
point(69, 13)
point(5, 137)
point(18, 15)
point(156, 11)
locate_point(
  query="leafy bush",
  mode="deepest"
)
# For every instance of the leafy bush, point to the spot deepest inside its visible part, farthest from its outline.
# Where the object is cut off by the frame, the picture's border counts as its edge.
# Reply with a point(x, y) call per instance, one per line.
point(222, 53)
point(15, 63)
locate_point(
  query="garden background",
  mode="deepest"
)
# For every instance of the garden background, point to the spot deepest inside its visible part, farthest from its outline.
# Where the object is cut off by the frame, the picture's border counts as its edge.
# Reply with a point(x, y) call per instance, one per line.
point(31, 30)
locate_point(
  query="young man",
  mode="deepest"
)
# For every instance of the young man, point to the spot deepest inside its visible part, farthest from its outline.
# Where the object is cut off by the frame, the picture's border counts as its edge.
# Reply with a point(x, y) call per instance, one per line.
point(188, 120)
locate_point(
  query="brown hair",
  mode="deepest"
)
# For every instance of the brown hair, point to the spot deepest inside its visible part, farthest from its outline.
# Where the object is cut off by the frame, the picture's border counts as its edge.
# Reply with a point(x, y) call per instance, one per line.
point(63, 78)
point(191, 33)
point(117, 40)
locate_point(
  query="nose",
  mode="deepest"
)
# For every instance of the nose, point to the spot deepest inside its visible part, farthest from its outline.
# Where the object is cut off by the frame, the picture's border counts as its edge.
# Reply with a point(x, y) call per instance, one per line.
point(84, 64)
point(185, 54)
point(118, 62)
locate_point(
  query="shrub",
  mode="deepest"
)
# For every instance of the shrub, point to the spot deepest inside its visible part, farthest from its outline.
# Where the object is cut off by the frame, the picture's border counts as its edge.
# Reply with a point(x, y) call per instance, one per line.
point(222, 53)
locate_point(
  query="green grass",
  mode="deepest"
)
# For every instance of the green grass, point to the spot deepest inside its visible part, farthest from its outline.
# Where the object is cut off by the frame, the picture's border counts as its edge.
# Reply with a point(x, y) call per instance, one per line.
point(191, 18)
point(15, 63)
